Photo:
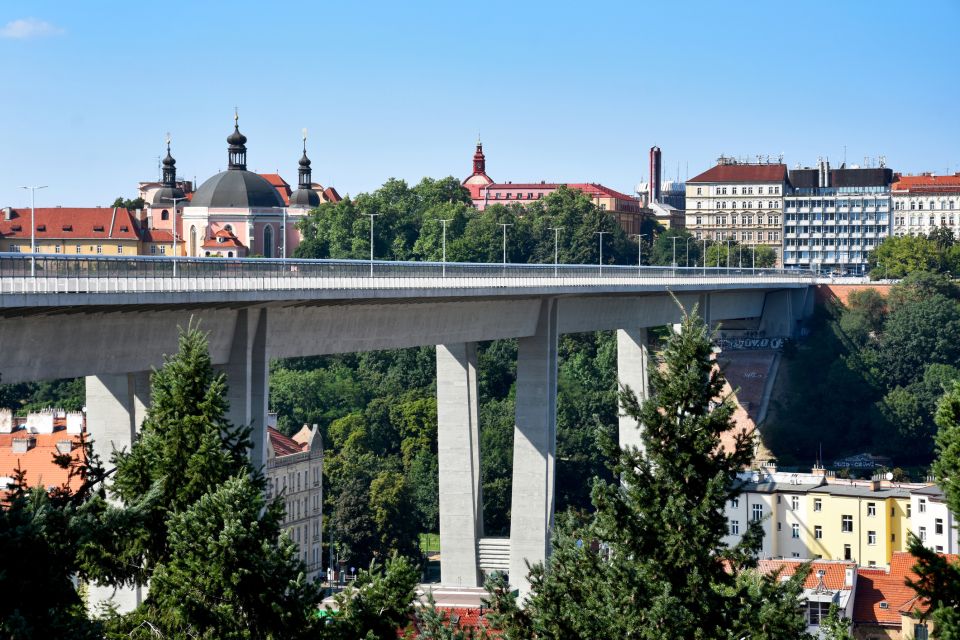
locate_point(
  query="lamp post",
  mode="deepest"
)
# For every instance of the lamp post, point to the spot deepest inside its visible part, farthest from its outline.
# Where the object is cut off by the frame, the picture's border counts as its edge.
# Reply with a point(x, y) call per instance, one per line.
point(505, 225)
point(728, 254)
point(173, 231)
point(753, 265)
point(444, 223)
point(284, 227)
point(674, 264)
point(688, 251)
point(556, 247)
point(704, 255)
point(601, 234)
point(372, 216)
point(33, 228)
point(639, 238)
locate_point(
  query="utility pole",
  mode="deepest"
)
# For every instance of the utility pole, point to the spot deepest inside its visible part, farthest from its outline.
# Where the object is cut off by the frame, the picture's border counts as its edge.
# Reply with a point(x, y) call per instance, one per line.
point(556, 247)
point(33, 228)
point(174, 231)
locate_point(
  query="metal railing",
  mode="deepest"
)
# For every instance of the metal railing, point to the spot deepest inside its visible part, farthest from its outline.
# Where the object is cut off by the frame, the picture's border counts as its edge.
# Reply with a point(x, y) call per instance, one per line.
point(102, 274)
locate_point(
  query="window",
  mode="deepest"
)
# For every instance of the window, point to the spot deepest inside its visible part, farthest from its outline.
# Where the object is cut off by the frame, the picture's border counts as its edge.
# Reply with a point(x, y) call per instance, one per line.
point(153, 248)
point(909, 508)
point(77, 249)
point(99, 248)
point(795, 531)
point(922, 505)
point(734, 527)
point(923, 534)
point(871, 537)
point(938, 526)
point(920, 631)
point(699, 192)
point(939, 548)
point(794, 502)
point(733, 191)
point(818, 532)
point(163, 250)
point(817, 611)
point(164, 215)
point(817, 504)
point(698, 204)
point(757, 512)
point(847, 552)
point(119, 248)
point(735, 503)
point(871, 509)
point(57, 249)
point(846, 524)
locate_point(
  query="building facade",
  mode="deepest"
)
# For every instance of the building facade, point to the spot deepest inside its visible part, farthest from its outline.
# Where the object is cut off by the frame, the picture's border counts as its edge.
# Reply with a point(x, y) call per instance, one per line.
point(932, 521)
point(295, 476)
point(108, 231)
point(484, 192)
point(924, 203)
point(737, 201)
point(834, 218)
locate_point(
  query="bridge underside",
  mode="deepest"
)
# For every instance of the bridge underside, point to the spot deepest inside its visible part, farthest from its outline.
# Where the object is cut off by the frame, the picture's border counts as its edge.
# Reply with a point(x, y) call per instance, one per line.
point(114, 344)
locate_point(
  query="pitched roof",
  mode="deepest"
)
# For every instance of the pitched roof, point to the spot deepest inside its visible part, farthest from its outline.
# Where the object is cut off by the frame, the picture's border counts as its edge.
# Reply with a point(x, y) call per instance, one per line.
point(834, 573)
point(38, 461)
point(87, 223)
point(278, 183)
point(283, 445)
point(332, 194)
point(876, 586)
point(743, 173)
point(157, 235)
point(589, 188)
point(928, 184)
point(222, 238)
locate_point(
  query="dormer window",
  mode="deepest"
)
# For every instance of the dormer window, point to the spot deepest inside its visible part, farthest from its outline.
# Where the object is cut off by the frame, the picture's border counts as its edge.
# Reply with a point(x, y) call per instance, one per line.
point(98, 227)
point(68, 227)
point(124, 228)
point(41, 227)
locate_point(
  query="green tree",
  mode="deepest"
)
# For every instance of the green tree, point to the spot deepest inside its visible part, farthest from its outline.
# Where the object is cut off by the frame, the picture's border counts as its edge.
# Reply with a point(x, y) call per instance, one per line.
point(923, 332)
point(231, 574)
point(938, 579)
point(664, 564)
point(130, 205)
point(662, 251)
point(898, 256)
point(835, 626)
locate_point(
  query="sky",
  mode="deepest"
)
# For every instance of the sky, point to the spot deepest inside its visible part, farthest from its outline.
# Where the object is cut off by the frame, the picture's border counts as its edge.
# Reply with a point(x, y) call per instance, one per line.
point(558, 91)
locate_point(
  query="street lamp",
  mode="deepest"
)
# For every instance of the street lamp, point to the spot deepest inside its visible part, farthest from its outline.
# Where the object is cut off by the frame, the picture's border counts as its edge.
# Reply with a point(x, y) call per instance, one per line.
point(173, 231)
point(704, 255)
point(33, 228)
point(601, 234)
point(753, 265)
point(444, 223)
point(372, 216)
point(504, 225)
point(674, 251)
point(728, 254)
point(688, 251)
point(639, 238)
point(556, 247)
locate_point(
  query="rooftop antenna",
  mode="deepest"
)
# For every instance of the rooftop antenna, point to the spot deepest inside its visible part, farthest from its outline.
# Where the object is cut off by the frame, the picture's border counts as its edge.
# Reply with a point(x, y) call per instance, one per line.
point(844, 154)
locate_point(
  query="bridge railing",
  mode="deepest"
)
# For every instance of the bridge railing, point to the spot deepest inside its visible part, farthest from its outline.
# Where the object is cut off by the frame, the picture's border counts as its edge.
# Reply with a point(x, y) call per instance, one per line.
point(267, 273)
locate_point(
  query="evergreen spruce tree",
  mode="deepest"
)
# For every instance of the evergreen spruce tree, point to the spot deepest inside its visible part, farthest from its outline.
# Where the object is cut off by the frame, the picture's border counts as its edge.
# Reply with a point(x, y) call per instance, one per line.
point(651, 563)
point(938, 579)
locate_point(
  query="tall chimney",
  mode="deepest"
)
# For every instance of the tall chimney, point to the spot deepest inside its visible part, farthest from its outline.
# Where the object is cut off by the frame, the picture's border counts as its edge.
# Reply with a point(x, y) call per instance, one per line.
point(655, 174)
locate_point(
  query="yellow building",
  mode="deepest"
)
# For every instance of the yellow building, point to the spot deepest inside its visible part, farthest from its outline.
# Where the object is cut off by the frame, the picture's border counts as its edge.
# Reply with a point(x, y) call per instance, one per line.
point(865, 522)
point(108, 231)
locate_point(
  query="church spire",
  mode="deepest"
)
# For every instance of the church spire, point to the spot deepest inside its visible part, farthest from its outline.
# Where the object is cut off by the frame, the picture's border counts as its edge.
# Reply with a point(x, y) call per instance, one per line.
point(305, 175)
point(237, 151)
point(479, 160)
point(169, 168)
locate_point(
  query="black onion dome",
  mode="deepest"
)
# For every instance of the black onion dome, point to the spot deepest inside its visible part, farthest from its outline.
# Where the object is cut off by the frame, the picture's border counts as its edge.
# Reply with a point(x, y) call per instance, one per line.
point(304, 160)
point(236, 189)
point(165, 196)
point(236, 138)
point(304, 198)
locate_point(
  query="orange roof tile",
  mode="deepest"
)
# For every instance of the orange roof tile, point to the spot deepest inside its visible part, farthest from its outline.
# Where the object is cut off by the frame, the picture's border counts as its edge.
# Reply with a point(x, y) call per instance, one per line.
point(278, 183)
point(86, 223)
point(834, 573)
point(283, 445)
point(928, 184)
point(876, 586)
point(38, 462)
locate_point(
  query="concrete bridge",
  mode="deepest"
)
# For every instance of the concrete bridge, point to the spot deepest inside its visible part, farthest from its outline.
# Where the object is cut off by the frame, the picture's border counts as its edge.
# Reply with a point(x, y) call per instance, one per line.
point(113, 319)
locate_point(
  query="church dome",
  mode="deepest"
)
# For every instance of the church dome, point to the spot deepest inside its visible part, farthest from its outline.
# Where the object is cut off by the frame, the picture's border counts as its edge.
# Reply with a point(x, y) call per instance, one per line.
point(304, 198)
point(236, 189)
point(165, 195)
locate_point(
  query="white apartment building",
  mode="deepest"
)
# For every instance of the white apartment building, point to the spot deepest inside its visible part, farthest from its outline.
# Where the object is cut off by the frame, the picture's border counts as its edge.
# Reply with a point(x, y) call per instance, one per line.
point(923, 203)
point(295, 475)
point(741, 202)
point(834, 218)
point(932, 521)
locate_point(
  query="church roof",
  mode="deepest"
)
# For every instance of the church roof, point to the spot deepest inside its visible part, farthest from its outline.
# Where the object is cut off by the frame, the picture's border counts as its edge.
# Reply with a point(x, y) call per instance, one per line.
point(236, 189)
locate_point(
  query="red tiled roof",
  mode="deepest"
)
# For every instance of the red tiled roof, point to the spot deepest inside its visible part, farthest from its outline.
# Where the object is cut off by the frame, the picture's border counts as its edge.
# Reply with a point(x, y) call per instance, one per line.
point(282, 445)
point(743, 173)
point(278, 183)
point(71, 222)
point(38, 461)
point(157, 235)
point(466, 618)
point(928, 184)
point(834, 573)
point(875, 586)
point(332, 194)
point(589, 188)
point(222, 238)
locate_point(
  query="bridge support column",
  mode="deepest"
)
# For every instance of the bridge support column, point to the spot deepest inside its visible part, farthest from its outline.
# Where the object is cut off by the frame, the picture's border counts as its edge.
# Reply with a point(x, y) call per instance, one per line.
point(534, 447)
point(632, 363)
point(458, 450)
point(248, 379)
point(116, 407)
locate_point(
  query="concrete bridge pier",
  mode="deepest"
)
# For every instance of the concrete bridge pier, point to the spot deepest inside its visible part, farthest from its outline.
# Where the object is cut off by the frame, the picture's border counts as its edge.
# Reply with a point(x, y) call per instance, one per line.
point(458, 446)
point(632, 363)
point(116, 407)
point(534, 446)
point(248, 381)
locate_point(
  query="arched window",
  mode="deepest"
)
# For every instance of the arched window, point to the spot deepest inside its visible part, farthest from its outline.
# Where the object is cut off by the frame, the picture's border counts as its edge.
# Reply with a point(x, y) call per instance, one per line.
point(229, 254)
point(164, 215)
point(268, 242)
point(193, 241)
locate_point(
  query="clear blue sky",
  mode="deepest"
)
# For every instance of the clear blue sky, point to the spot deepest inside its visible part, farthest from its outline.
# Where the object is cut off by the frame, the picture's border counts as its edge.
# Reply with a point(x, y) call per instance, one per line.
point(558, 90)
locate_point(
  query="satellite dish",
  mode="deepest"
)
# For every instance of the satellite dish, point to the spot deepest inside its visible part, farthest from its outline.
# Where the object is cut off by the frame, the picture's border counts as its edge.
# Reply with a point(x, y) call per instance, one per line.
point(888, 475)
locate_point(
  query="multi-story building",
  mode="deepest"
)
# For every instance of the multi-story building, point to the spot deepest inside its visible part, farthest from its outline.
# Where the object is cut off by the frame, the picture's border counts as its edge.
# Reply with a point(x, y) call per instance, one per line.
point(932, 521)
point(925, 202)
point(295, 476)
point(108, 231)
point(738, 201)
point(829, 583)
point(30, 444)
point(485, 192)
point(834, 218)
